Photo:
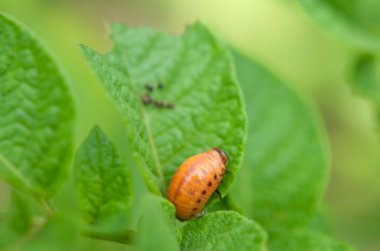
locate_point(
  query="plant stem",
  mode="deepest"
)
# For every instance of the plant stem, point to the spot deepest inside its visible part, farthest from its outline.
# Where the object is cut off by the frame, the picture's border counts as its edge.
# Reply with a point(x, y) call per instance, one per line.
point(46, 205)
point(125, 236)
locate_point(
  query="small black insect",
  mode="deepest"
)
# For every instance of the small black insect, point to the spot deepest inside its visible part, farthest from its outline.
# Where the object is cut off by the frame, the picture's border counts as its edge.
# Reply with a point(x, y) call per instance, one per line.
point(146, 99)
point(169, 105)
point(160, 85)
point(200, 215)
point(159, 103)
point(149, 87)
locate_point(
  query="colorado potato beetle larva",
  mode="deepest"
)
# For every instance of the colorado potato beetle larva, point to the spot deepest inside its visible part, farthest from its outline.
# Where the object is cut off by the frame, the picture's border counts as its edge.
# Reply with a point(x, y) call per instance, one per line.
point(195, 181)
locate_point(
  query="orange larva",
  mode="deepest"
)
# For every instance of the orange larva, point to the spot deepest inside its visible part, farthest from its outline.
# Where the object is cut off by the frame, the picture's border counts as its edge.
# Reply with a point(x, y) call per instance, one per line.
point(195, 181)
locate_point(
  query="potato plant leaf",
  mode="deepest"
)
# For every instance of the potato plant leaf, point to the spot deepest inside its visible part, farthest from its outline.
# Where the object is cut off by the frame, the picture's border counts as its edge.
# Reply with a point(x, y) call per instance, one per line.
point(223, 230)
point(357, 23)
point(365, 78)
point(16, 222)
point(157, 229)
point(285, 169)
point(102, 180)
point(36, 113)
point(59, 233)
point(309, 240)
point(193, 73)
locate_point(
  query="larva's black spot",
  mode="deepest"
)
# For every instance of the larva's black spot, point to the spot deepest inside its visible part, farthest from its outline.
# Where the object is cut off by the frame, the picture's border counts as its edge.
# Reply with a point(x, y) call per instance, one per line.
point(204, 192)
point(209, 183)
point(199, 201)
point(215, 177)
point(194, 209)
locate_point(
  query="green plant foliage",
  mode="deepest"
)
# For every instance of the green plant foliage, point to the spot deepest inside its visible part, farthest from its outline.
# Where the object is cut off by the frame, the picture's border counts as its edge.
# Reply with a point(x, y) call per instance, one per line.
point(285, 167)
point(223, 231)
point(196, 105)
point(309, 240)
point(366, 78)
point(15, 222)
point(36, 113)
point(357, 23)
point(195, 71)
point(103, 182)
point(59, 234)
point(156, 229)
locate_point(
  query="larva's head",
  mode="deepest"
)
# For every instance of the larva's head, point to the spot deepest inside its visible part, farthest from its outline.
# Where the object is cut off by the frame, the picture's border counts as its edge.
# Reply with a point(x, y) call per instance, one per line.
point(222, 155)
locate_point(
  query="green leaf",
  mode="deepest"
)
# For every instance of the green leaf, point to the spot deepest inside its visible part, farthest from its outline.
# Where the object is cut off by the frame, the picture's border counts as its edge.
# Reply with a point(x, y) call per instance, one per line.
point(224, 230)
point(60, 233)
point(308, 240)
point(103, 182)
point(196, 74)
point(321, 222)
point(366, 77)
point(157, 229)
point(124, 236)
point(285, 169)
point(19, 231)
point(36, 113)
point(357, 23)
point(16, 222)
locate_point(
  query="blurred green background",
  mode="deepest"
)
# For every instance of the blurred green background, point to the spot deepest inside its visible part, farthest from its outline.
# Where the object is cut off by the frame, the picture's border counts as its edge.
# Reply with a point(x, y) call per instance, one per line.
point(276, 33)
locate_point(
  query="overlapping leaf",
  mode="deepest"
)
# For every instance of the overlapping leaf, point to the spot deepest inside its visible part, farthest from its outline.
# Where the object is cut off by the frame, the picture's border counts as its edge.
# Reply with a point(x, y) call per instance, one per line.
point(307, 240)
point(16, 222)
point(223, 231)
point(157, 227)
point(59, 233)
point(366, 77)
point(103, 182)
point(284, 172)
point(356, 23)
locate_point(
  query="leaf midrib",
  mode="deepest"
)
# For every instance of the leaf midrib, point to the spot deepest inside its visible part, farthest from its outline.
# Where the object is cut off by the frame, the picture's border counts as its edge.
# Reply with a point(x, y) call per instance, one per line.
point(153, 147)
point(9, 165)
point(152, 143)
